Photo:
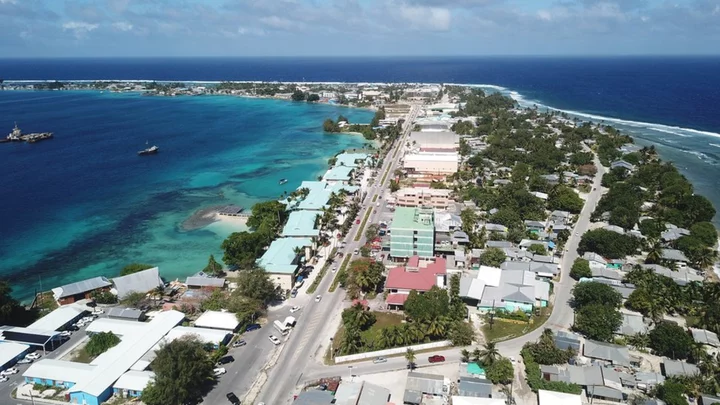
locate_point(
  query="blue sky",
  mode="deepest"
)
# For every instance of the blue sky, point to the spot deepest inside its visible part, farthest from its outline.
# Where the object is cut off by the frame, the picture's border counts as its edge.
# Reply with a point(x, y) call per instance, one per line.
point(53, 28)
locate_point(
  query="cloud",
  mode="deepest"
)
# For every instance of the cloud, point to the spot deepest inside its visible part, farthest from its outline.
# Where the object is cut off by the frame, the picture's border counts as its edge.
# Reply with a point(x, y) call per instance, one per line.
point(122, 26)
point(251, 31)
point(431, 18)
point(282, 23)
point(79, 28)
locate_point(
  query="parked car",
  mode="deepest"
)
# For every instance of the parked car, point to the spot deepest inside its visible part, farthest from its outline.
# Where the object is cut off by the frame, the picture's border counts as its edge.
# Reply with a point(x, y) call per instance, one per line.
point(356, 251)
point(32, 356)
point(219, 371)
point(226, 359)
point(436, 359)
point(379, 360)
point(294, 309)
point(24, 361)
point(66, 333)
point(234, 400)
point(357, 222)
point(10, 371)
point(3, 378)
point(293, 293)
point(334, 269)
point(318, 298)
point(98, 311)
point(274, 339)
point(252, 327)
point(239, 343)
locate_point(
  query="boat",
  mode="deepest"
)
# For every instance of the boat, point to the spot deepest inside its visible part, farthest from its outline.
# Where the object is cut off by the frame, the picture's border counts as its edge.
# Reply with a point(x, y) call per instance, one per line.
point(282, 181)
point(17, 136)
point(149, 151)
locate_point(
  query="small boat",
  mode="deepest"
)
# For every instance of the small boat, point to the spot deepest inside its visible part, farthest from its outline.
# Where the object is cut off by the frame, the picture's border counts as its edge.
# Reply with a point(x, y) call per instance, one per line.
point(149, 151)
point(282, 181)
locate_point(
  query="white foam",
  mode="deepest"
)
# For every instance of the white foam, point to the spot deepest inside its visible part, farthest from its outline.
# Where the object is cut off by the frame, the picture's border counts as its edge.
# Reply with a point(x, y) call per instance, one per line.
point(714, 144)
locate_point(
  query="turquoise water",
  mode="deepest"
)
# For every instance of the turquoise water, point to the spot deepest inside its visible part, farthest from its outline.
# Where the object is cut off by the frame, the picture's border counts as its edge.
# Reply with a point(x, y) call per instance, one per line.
point(84, 204)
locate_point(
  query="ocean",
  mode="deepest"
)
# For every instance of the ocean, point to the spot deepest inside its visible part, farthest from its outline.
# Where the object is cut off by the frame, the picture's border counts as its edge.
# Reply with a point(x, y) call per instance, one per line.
point(84, 205)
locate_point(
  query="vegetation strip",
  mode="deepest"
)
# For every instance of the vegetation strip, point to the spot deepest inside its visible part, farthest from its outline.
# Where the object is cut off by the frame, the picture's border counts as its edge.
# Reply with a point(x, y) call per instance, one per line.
point(337, 279)
point(321, 274)
point(362, 226)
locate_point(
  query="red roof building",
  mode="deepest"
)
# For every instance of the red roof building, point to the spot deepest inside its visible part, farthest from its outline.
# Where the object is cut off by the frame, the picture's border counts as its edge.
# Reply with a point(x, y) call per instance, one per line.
point(415, 275)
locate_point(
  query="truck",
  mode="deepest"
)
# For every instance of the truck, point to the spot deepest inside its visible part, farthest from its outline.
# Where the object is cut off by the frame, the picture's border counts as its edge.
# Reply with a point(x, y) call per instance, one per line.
point(290, 321)
point(284, 330)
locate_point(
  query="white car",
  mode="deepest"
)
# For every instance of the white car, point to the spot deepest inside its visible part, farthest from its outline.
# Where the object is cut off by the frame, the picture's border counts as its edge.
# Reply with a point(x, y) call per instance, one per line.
point(66, 333)
point(98, 311)
point(273, 339)
point(334, 269)
point(219, 371)
point(318, 298)
point(294, 309)
point(3, 378)
point(24, 361)
point(10, 371)
point(32, 356)
point(356, 251)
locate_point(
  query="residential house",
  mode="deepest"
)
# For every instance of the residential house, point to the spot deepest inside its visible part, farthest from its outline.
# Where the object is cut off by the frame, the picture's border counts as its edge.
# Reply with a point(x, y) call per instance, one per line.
point(499, 244)
point(602, 383)
point(705, 337)
point(282, 260)
point(629, 148)
point(622, 164)
point(614, 228)
point(501, 229)
point(202, 281)
point(302, 224)
point(677, 368)
point(418, 275)
point(510, 290)
point(339, 175)
point(674, 234)
point(412, 233)
point(69, 293)
point(475, 387)
point(540, 269)
point(706, 399)
point(595, 260)
point(682, 276)
point(560, 217)
point(674, 255)
point(558, 398)
point(552, 179)
point(420, 384)
point(607, 352)
point(534, 226)
point(632, 324)
point(568, 340)
point(140, 282)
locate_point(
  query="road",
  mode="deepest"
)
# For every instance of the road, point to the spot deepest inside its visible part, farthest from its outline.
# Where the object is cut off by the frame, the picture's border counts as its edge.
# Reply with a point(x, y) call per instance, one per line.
point(303, 348)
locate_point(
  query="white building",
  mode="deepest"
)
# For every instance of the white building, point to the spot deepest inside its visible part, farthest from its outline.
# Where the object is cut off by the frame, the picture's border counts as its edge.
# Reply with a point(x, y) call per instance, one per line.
point(441, 140)
point(218, 320)
point(431, 163)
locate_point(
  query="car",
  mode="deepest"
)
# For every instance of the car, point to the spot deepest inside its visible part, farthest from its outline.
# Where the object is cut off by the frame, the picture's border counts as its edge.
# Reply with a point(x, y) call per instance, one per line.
point(252, 327)
point(357, 222)
point(73, 328)
point(436, 359)
point(226, 359)
point(293, 293)
point(273, 339)
point(310, 268)
point(318, 298)
point(98, 311)
point(294, 309)
point(512, 359)
point(334, 269)
point(66, 333)
point(577, 233)
point(24, 361)
point(234, 400)
point(219, 371)
point(239, 343)
point(379, 360)
point(10, 371)
point(377, 205)
point(32, 356)
point(356, 251)
point(3, 378)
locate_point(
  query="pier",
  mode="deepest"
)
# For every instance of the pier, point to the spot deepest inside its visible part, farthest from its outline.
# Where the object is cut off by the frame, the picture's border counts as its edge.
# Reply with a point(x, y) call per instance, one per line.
point(233, 211)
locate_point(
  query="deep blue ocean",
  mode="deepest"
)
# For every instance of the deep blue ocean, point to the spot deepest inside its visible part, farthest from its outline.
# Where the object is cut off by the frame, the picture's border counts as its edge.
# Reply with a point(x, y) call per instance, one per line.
point(83, 204)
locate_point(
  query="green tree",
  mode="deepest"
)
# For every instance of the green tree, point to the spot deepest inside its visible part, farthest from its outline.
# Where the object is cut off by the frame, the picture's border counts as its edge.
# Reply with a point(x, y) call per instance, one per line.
point(563, 198)
point(538, 249)
point(372, 231)
point(134, 268)
point(580, 269)
point(357, 317)
point(597, 321)
point(593, 293)
point(670, 340)
point(311, 98)
point(134, 299)
point(214, 302)
point(410, 357)
point(242, 249)
point(461, 333)
point(651, 228)
point(182, 369)
point(489, 354)
point(672, 393)
point(213, 268)
point(492, 257)
point(298, 95)
point(104, 297)
point(501, 371)
point(394, 186)
point(100, 342)
point(268, 216)
point(256, 284)
point(464, 356)
point(705, 232)
point(330, 126)
point(431, 305)
point(608, 244)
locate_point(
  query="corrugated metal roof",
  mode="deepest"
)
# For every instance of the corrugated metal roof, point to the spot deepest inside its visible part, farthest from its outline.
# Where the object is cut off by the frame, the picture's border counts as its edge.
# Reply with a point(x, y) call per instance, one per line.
point(424, 383)
point(142, 281)
point(80, 287)
point(58, 318)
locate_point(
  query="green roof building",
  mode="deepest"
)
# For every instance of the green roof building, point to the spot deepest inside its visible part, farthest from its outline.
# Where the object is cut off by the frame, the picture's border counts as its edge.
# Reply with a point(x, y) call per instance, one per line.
point(412, 233)
point(301, 224)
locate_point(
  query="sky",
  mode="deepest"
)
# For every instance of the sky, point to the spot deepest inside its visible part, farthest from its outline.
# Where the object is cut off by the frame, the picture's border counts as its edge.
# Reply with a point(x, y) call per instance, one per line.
point(106, 28)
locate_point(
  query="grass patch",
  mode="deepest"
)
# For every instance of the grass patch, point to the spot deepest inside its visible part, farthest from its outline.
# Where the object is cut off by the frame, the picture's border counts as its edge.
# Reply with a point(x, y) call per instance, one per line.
point(385, 175)
point(382, 320)
point(46, 302)
point(340, 271)
point(82, 356)
point(362, 225)
point(322, 272)
point(375, 198)
point(504, 329)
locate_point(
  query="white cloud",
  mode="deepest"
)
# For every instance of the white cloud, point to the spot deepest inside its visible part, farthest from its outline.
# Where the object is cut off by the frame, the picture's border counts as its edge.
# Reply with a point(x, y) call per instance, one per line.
point(432, 18)
point(251, 31)
point(79, 28)
point(281, 23)
point(122, 26)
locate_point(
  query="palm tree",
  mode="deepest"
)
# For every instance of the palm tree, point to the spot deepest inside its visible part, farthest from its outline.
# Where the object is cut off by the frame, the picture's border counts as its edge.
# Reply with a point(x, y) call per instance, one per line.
point(351, 341)
point(436, 326)
point(639, 340)
point(547, 337)
point(413, 333)
point(410, 357)
point(464, 356)
point(476, 355)
point(489, 354)
point(654, 253)
point(707, 258)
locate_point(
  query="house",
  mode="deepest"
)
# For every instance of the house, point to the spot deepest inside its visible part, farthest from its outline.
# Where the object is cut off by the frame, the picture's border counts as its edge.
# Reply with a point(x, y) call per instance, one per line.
point(440, 164)
point(534, 226)
point(501, 229)
point(412, 233)
point(353, 159)
point(674, 234)
point(361, 393)
point(498, 244)
point(129, 314)
point(560, 217)
point(80, 290)
point(542, 196)
point(302, 224)
point(614, 228)
point(611, 353)
point(526, 243)
point(558, 398)
point(632, 324)
point(226, 321)
point(140, 282)
point(132, 383)
point(314, 397)
point(682, 276)
point(607, 274)
point(509, 290)
point(629, 148)
point(319, 193)
point(60, 318)
point(674, 255)
point(599, 382)
point(423, 197)
point(282, 260)
point(672, 368)
point(622, 164)
point(339, 175)
point(567, 340)
point(552, 179)
point(435, 141)
point(475, 387)
point(201, 280)
point(446, 222)
point(706, 399)
point(540, 269)
point(214, 337)
point(705, 337)
point(502, 182)
point(10, 353)
point(420, 384)
point(595, 260)
point(418, 275)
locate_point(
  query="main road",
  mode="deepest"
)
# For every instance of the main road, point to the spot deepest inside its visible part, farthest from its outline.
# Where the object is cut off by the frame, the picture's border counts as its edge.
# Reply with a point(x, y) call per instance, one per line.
point(302, 349)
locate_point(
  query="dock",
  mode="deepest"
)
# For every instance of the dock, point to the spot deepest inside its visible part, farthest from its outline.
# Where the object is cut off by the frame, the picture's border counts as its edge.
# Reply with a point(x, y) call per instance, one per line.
point(233, 211)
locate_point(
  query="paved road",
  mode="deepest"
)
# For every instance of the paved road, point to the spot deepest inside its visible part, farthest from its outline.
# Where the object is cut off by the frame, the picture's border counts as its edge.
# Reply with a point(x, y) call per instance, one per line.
point(302, 350)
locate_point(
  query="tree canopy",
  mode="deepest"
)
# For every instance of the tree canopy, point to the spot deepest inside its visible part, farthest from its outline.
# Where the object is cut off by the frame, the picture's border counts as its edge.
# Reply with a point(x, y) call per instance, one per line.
point(563, 198)
point(593, 293)
point(100, 342)
point(492, 257)
point(11, 311)
point(580, 269)
point(597, 321)
point(608, 244)
point(255, 284)
point(134, 268)
point(670, 340)
point(213, 268)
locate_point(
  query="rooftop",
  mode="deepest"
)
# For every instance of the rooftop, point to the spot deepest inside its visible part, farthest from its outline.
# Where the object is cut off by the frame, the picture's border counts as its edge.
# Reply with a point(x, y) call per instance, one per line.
point(558, 398)
point(142, 281)
point(57, 318)
point(413, 218)
point(217, 320)
point(10, 351)
point(81, 287)
point(281, 257)
point(618, 355)
point(134, 380)
point(301, 223)
point(351, 159)
point(414, 276)
point(338, 173)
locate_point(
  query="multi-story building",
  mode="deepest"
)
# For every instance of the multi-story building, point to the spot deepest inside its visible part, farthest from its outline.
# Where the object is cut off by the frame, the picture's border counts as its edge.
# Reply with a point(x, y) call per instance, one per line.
point(431, 163)
point(423, 197)
point(412, 233)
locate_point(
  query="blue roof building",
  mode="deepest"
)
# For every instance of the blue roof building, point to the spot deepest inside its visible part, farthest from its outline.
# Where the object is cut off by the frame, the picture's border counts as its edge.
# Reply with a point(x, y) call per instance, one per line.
point(339, 174)
point(301, 224)
point(352, 159)
point(281, 261)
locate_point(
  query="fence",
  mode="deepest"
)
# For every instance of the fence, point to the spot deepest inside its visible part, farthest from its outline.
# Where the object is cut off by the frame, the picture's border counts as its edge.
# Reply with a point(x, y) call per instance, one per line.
point(390, 352)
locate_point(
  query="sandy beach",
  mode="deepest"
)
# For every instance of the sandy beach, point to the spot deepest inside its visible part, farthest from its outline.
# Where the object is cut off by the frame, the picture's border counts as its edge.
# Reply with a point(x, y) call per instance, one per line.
point(206, 216)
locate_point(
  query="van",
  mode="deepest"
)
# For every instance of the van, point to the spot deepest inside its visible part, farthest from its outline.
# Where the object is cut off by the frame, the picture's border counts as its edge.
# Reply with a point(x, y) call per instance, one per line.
point(252, 327)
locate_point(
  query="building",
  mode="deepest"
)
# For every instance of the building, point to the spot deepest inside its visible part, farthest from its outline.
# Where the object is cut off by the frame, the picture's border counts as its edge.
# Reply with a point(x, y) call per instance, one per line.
point(705, 337)
point(422, 164)
point(10, 353)
point(339, 175)
point(93, 383)
point(361, 393)
point(128, 314)
point(35, 338)
point(132, 383)
point(435, 141)
point(475, 387)
point(613, 354)
point(81, 290)
point(423, 197)
point(140, 282)
point(673, 368)
point(460, 400)
point(319, 193)
point(509, 290)
point(226, 321)
point(281, 261)
point(419, 384)
point(302, 224)
point(353, 159)
point(201, 280)
point(595, 260)
point(558, 398)
point(412, 233)
point(682, 276)
point(632, 324)
point(60, 318)
point(622, 164)
point(567, 340)
point(416, 275)
point(216, 336)
point(674, 255)
point(314, 397)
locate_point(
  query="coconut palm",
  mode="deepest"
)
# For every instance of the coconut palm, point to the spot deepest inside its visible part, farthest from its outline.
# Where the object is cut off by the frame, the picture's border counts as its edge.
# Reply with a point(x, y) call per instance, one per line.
point(707, 258)
point(654, 252)
point(351, 341)
point(489, 354)
point(476, 355)
point(464, 356)
point(410, 357)
point(413, 333)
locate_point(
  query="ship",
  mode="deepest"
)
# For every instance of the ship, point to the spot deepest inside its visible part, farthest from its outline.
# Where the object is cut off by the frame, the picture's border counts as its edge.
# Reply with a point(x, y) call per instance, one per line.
point(149, 151)
point(17, 136)
point(282, 181)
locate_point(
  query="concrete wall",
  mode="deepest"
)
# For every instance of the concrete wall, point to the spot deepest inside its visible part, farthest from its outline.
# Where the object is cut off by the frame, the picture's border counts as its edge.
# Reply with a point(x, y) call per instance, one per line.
point(390, 352)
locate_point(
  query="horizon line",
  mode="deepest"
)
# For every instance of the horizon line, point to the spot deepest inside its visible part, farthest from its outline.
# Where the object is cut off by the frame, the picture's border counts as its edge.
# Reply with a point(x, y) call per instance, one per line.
point(539, 56)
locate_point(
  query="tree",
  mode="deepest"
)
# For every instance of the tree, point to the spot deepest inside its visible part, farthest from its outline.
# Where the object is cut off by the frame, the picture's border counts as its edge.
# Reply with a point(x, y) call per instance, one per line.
point(213, 268)
point(431, 305)
point(461, 333)
point(100, 342)
point(313, 98)
point(268, 216)
point(489, 354)
point(464, 356)
point(669, 339)
point(500, 372)
point(672, 393)
point(357, 317)
point(608, 244)
point(652, 228)
point(215, 301)
point(182, 369)
point(538, 249)
point(593, 293)
point(410, 357)
point(298, 95)
point(492, 257)
point(580, 269)
point(104, 297)
point(372, 231)
point(394, 186)
point(597, 321)
point(134, 268)
point(256, 284)
point(705, 232)
point(351, 341)
point(563, 198)
point(242, 249)
point(133, 299)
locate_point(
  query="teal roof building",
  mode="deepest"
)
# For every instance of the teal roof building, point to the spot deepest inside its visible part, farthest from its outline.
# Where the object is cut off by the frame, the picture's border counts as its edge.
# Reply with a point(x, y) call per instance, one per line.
point(412, 233)
point(281, 257)
point(353, 159)
point(319, 194)
point(301, 224)
point(339, 173)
